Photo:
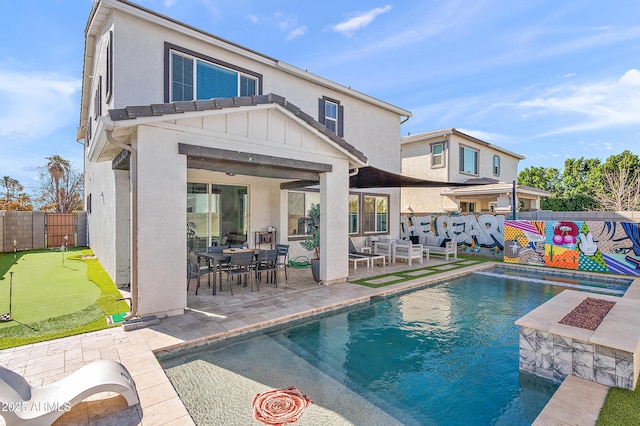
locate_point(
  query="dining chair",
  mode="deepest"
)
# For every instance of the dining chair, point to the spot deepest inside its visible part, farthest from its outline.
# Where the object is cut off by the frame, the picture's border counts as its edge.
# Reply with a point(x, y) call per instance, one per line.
point(268, 262)
point(283, 257)
point(241, 264)
point(195, 270)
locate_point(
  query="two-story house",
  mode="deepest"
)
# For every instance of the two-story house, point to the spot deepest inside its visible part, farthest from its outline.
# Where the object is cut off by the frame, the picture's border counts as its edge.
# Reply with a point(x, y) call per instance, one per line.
point(183, 127)
point(450, 155)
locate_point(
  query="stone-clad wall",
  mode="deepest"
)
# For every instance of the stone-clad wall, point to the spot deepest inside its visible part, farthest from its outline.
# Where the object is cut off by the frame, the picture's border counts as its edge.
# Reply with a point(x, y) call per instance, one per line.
point(554, 357)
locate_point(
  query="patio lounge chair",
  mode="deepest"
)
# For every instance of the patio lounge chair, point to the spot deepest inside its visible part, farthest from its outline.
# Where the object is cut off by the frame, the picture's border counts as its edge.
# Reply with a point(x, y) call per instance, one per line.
point(405, 249)
point(43, 405)
point(372, 257)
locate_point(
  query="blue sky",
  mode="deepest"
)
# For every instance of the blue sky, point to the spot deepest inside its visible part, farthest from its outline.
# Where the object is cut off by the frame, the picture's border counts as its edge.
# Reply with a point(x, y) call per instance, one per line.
point(546, 79)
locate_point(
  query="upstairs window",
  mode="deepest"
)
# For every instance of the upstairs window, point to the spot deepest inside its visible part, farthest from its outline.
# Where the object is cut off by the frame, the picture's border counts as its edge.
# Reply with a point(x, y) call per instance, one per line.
point(331, 114)
point(496, 165)
point(468, 160)
point(437, 154)
point(191, 76)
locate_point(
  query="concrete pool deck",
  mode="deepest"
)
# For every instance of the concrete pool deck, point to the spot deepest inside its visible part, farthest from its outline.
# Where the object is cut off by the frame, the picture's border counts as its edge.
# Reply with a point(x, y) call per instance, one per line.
point(210, 318)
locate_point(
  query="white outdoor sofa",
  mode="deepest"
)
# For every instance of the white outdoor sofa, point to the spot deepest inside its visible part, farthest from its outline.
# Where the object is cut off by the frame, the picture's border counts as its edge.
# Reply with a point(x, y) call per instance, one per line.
point(435, 245)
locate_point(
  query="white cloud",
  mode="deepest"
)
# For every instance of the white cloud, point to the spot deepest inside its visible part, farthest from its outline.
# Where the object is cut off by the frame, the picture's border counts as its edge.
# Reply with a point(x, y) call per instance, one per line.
point(490, 137)
point(300, 31)
point(254, 19)
point(36, 104)
point(360, 21)
point(591, 106)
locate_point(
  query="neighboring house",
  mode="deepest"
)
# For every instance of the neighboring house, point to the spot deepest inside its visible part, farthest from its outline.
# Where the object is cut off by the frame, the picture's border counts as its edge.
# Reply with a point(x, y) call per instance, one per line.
point(182, 126)
point(452, 156)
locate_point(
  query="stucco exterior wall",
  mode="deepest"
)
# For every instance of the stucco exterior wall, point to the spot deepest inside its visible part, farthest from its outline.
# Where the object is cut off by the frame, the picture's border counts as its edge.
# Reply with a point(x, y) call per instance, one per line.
point(162, 206)
point(108, 219)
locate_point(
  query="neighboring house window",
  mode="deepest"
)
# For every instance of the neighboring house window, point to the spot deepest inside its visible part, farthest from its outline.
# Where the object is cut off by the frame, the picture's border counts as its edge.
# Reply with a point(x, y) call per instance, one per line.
point(375, 214)
point(191, 76)
point(354, 213)
point(467, 207)
point(468, 160)
point(299, 205)
point(496, 165)
point(109, 71)
point(331, 114)
point(437, 154)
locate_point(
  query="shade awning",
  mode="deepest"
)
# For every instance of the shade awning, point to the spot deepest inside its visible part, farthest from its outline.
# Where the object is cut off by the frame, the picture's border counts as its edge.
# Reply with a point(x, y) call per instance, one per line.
point(372, 177)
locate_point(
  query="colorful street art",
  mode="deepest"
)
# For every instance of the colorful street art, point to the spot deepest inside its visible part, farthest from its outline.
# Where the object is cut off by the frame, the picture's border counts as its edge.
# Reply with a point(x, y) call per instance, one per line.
point(475, 233)
point(596, 246)
point(612, 247)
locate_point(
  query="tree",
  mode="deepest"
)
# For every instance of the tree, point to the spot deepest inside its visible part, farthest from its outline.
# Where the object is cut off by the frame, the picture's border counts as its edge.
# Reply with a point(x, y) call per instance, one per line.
point(547, 178)
point(621, 189)
point(60, 187)
point(13, 197)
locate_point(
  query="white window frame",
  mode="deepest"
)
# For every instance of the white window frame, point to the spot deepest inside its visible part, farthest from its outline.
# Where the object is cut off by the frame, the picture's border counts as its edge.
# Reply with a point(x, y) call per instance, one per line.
point(437, 156)
point(331, 121)
point(376, 198)
point(496, 165)
point(463, 162)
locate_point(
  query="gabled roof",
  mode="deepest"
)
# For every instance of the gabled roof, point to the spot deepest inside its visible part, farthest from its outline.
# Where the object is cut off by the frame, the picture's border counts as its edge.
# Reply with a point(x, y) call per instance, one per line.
point(169, 110)
point(437, 134)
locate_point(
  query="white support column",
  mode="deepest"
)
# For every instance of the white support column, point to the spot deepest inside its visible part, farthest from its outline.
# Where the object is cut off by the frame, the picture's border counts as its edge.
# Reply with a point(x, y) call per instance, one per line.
point(162, 206)
point(334, 226)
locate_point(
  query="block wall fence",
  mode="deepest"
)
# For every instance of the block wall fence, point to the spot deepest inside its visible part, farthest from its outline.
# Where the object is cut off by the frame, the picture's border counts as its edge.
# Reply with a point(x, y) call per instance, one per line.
point(36, 230)
point(587, 241)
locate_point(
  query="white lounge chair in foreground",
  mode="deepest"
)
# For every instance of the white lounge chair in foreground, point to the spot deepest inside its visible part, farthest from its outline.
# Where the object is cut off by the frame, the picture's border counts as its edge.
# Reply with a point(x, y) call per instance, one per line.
point(26, 405)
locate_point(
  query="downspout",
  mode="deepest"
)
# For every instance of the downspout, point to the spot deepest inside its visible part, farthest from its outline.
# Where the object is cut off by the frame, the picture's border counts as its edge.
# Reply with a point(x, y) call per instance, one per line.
point(134, 222)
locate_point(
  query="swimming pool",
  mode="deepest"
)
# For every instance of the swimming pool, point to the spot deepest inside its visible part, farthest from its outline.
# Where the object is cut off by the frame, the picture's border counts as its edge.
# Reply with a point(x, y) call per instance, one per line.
point(590, 282)
point(445, 354)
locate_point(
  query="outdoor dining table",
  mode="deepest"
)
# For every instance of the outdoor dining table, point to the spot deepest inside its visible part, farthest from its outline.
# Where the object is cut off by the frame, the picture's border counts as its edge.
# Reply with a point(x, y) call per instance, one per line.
point(216, 258)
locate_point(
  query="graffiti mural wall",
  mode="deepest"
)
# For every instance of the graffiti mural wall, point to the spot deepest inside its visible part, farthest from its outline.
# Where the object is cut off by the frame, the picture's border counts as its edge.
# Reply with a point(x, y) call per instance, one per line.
point(596, 246)
point(481, 234)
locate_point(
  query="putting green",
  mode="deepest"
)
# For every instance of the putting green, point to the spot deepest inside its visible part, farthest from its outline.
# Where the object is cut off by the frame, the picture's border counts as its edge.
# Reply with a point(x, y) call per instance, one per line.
point(45, 287)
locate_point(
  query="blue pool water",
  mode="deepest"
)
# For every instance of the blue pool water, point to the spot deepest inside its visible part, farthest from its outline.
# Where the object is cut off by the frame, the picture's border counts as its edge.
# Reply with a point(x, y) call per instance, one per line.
point(596, 283)
point(443, 355)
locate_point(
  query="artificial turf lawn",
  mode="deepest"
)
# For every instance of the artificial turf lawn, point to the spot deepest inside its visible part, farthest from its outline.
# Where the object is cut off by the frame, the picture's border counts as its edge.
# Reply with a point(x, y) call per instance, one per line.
point(424, 271)
point(51, 299)
point(622, 407)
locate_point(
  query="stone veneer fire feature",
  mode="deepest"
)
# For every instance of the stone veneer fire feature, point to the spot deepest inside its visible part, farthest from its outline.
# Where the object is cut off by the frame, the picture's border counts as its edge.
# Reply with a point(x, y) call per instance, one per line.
point(608, 355)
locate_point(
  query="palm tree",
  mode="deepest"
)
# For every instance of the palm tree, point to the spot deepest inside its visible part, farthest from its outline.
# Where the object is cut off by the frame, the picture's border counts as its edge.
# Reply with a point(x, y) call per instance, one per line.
point(58, 167)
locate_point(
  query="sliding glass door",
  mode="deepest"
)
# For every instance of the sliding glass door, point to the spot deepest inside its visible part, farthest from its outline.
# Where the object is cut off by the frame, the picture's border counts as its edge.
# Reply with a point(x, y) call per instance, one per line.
point(216, 215)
